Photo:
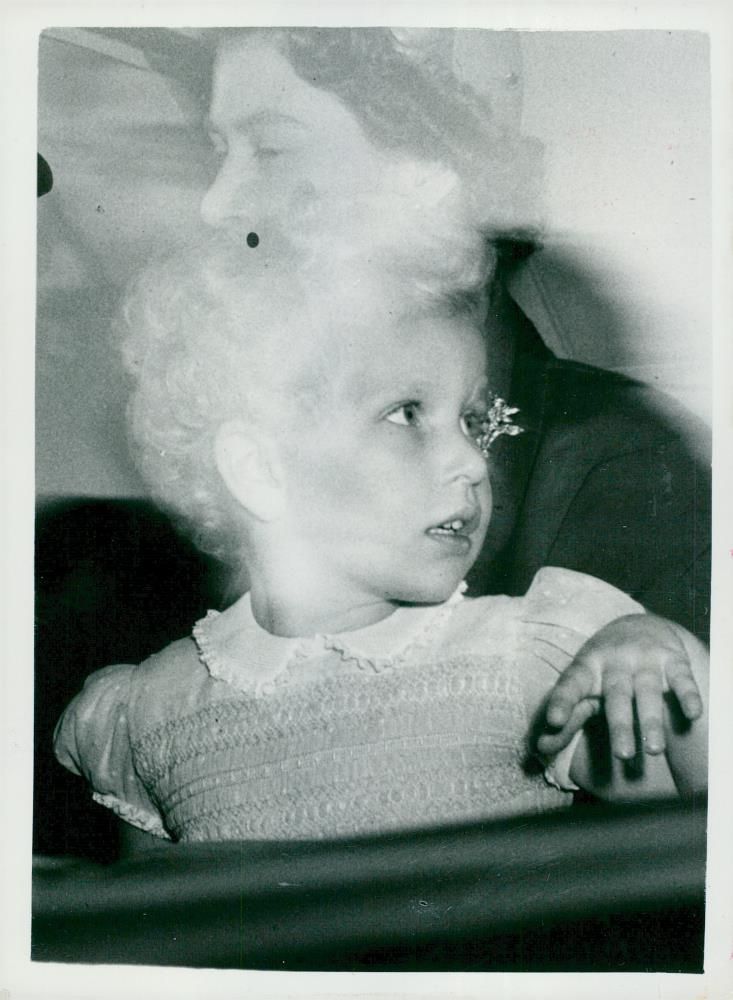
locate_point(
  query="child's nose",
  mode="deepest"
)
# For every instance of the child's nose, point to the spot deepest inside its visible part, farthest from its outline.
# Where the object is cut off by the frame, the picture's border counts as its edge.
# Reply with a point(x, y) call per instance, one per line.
point(233, 194)
point(465, 460)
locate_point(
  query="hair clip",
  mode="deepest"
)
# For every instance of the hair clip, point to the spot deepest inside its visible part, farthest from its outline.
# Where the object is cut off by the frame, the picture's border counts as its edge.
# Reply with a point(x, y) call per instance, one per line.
point(498, 421)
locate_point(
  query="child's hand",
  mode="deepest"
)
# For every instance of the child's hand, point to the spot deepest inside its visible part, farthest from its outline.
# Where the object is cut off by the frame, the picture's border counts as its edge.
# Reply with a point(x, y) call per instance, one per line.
point(625, 668)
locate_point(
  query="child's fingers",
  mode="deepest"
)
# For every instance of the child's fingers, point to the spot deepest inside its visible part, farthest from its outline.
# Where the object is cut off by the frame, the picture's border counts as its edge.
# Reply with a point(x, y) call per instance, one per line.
point(575, 684)
point(648, 688)
point(550, 744)
point(618, 697)
point(681, 681)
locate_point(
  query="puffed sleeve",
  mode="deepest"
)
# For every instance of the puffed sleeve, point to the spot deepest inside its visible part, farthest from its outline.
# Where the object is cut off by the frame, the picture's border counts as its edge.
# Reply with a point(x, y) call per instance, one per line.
point(575, 602)
point(92, 739)
point(561, 610)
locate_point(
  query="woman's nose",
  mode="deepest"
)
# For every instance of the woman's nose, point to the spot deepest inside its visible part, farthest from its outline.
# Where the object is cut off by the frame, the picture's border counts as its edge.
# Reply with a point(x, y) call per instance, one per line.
point(232, 195)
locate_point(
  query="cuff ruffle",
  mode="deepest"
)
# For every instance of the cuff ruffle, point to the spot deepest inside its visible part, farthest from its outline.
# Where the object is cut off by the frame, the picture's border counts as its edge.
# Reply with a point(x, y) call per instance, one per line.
point(134, 815)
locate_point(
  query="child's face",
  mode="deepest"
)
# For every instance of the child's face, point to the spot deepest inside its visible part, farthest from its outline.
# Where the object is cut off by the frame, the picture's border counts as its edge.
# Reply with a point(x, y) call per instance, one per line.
point(379, 475)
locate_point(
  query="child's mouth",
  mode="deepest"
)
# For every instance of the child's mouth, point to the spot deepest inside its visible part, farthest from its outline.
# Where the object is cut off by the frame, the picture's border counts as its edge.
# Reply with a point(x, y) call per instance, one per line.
point(456, 530)
point(450, 528)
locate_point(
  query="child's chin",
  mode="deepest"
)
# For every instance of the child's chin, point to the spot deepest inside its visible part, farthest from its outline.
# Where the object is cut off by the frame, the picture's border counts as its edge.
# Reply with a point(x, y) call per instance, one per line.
point(429, 592)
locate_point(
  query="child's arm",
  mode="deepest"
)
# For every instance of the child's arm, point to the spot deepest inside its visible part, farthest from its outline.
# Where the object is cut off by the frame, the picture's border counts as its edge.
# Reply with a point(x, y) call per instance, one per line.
point(649, 677)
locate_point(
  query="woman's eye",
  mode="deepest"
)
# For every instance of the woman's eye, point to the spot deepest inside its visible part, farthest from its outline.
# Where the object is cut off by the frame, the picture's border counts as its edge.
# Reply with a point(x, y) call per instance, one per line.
point(219, 144)
point(406, 414)
point(268, 152)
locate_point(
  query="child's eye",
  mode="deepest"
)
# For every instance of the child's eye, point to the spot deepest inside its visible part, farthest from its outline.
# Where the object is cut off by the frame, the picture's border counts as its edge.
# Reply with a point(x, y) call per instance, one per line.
point(471, 423)
point(405, 414)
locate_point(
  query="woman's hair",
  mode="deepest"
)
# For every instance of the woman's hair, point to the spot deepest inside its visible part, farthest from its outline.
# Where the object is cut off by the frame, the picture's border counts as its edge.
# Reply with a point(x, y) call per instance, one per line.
point(408, 99)
point(222, 331)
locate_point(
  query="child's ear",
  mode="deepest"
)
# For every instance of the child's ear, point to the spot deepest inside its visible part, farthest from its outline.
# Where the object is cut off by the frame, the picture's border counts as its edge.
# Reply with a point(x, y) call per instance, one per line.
point(248, 467)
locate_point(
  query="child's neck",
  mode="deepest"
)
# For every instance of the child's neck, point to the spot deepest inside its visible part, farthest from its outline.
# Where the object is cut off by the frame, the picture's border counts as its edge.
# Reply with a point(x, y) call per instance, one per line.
point(310, 612)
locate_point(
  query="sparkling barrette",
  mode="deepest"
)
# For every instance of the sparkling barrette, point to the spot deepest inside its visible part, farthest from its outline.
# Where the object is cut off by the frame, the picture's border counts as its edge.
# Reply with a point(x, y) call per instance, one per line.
point(497, 421)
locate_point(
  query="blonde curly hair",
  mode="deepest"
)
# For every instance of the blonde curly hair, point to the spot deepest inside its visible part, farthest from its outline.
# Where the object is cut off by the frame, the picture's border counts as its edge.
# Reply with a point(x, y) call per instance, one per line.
point(222, 331)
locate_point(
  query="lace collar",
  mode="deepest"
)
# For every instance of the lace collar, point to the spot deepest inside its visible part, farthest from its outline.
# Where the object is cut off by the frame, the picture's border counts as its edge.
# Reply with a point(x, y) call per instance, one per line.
point(234, 648)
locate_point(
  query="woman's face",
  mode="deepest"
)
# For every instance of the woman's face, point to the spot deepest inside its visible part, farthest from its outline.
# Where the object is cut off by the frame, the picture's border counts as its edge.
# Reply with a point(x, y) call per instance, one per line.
point(284, 144)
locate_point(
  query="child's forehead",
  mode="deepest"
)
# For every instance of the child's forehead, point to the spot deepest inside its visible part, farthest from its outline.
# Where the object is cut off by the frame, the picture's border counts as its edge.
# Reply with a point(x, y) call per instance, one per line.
point(432, 350)
point(357, 320)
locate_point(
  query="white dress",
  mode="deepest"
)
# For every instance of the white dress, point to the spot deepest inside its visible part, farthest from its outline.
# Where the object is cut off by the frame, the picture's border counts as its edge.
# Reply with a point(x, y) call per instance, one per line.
point(420, 720)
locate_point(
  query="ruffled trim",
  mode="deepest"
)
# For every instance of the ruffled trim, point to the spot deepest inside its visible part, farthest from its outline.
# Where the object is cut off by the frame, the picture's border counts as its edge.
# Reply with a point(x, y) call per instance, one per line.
point(207, 649)
point(134, 815)
point(224, 667)
point(376, 663)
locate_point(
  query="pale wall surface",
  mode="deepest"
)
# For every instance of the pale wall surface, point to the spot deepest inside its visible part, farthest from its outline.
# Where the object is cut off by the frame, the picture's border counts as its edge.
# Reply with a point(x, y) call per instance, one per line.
point(625, 279)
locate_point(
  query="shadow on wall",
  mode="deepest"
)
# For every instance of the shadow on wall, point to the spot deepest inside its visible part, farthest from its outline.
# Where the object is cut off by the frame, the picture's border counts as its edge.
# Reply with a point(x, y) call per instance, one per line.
point(114, 584)
point(567, 302)
point(586, 309)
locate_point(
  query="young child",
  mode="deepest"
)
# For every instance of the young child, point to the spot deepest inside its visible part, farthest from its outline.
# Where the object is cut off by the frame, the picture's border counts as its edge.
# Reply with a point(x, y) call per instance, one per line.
point(325, 429)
